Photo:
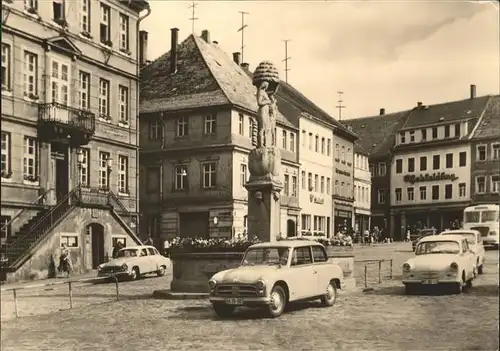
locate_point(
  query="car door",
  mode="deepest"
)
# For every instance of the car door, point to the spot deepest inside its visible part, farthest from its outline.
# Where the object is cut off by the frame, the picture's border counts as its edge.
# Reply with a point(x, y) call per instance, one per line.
point(155, 258)
point(304, 273)
point(320, 258)
point(146, 264)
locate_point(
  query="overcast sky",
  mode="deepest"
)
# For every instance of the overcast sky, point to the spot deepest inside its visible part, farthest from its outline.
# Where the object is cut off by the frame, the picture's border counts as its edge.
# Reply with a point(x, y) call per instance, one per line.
point(387, 54)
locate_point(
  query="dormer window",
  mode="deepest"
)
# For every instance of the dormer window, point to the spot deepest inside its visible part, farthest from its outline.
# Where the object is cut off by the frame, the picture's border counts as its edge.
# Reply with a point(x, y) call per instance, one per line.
point(457, 130)
point(434, 133)
point(402, 138)
point(424, 134)
point(447, 131)
point(412, 136)
point(58, 10)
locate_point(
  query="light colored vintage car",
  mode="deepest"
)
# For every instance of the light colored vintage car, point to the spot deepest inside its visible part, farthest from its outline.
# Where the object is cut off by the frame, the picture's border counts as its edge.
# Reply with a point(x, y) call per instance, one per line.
point(133, 262)
point(440, 260)
point(271, 275)
point(475, 242)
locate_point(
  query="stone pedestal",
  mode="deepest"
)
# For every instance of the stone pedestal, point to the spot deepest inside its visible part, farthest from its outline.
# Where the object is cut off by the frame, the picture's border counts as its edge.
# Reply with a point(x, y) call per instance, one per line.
point(343, 256)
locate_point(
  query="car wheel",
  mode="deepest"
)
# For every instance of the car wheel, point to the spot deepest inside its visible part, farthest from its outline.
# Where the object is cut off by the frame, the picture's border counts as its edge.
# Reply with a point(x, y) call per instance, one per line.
point(459, 287)
point(223, 310)
point(161, 271)
point(480, 269)
point(134, 274)
point(278, 302)
point(468, 284)
point(331, 295)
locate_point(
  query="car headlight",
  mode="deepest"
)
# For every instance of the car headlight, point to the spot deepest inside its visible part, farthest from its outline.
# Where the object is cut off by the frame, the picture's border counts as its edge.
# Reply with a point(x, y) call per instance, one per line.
point(100, 267)
point(406, 267)
point(261, 285)
point(212, 283)
point(454, 266)
point(124, 267)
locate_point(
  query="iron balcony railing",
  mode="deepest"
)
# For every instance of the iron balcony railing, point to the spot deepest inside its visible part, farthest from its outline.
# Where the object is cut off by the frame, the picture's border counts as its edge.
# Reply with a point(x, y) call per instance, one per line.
point(56, 112)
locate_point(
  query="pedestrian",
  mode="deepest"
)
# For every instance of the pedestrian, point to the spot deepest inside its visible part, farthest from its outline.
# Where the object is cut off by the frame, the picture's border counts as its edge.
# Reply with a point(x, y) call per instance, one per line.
point(166, 248)
point(366, 236)
point(149, 240)
point(65, 264)
point(118, 246)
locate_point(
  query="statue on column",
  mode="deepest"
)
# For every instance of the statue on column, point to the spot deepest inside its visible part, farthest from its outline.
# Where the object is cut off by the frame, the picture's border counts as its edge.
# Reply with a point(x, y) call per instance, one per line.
point(266, 120)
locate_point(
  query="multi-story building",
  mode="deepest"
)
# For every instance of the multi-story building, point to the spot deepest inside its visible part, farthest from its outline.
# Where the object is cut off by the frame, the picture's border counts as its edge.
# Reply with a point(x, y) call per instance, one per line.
point(485, 155)
point(69, 150)
point(362, 190)
point(197, 120)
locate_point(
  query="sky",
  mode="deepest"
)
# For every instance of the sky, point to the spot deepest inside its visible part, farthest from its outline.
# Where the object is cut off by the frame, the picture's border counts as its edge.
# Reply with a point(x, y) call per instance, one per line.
point(388, 54)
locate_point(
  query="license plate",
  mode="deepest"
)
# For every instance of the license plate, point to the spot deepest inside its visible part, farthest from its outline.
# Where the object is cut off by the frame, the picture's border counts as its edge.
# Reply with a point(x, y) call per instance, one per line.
point(429, 281)
point(234, 301)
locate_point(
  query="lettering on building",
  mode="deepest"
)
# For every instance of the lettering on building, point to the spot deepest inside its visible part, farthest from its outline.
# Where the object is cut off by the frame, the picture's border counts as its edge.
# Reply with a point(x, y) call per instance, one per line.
point(316, 199)
point(345, 173)
point(429, 177)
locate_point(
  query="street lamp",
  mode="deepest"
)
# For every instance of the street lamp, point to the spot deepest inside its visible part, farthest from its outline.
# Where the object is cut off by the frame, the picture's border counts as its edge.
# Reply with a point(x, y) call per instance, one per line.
point(184, 173)
point(79, 158)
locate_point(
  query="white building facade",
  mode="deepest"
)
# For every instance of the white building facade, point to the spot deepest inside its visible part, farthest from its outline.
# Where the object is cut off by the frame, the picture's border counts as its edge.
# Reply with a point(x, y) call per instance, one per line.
point(316, 164)
point(362, 192)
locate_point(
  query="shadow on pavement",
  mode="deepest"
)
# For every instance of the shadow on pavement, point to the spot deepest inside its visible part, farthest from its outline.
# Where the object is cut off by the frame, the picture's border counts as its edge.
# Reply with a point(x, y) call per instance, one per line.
point(481, 290)
point(75, 295)
point(485, 290)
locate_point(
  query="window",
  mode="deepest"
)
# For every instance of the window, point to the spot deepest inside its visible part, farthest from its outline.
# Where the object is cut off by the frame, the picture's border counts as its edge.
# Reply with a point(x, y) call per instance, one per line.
point(423, 163)
point(448, 191)
point(31, 4)
point(69, 240)
point(462, 159)
point(292, 142)
point(343, 155)
point(155, 129)
point(122, 240)
point(210, 124)
point(328, 186)
point(153, 180)
point(319, 226)
point(301, 256)
point(310, 182)
point(286, 185)
point(435, 162)
point(6, 229)
point(337, 151)
point(412, 136)
point(303, 180)
point(328, 147)
point(6, 151)
point(182, 127)
point(381, 169)
point(57, 10)
point(457, 130)
point(481, 153)
point(323, 146)
point(103, 170)
point(424, 134)
point(349, 156)
point(123, 33)
point(336, 188)
point(434, 133)
point(310, 140)
point(495, 151)
point(435, 192)
point(304, 138)
point(60, 83)
point(305, 224)
point(84, 90)
point(411, 164)
point(30, 160)
point(85, 16)
point(461, 190)
point(181, 177)
point(399, 166)
point(123, 103)
point(423, 193)
point(243, 174)
point(6, 67)
point(447, 131)
point(319, 254)
point(342, 189)
point(250, 128)
point(449, 160)
point(322, 185)
point(30, 75)
point(284, 140)
point(398, 195)
point(294, 186)
point(104, 97)
point(84, 168)
point(122, 174)
point(480, 184)
point(241, 124)
point(105, 25)
point(316, 181)
point(402, 138)
point(410, 193)
point(381, 196)
point(495, 184)
point(209, 175)
point(371, 169)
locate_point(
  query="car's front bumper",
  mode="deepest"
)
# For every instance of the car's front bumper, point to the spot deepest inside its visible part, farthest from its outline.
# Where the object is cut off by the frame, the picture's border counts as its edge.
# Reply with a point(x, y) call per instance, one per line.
point(424, 278)
point(246, 301)
point(119, 274)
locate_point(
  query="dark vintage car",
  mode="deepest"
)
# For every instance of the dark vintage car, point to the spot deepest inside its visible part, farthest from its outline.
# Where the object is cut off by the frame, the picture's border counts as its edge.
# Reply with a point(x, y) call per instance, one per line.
point(422, 233)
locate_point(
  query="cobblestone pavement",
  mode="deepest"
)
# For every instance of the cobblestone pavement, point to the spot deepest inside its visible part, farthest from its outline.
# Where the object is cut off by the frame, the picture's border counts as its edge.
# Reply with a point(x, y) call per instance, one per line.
point(383, 319)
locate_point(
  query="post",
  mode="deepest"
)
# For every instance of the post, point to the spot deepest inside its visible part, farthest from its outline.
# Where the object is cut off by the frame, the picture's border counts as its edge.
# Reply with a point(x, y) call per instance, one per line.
point(390, 273)
point(365, 275)
point(379, 269)
point(70, 291)
point(15, 303)
point(117, 291)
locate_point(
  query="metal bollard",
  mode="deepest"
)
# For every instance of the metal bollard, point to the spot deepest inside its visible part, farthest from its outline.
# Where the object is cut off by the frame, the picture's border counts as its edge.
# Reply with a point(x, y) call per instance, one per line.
point(15, 303)
point(390, 273)
point(365, 274)
point(379, 274)
point(70, 291)
point(117, 291)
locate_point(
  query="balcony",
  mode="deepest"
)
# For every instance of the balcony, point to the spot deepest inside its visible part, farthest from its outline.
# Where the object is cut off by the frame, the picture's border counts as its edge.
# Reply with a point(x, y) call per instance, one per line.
point(61, 123)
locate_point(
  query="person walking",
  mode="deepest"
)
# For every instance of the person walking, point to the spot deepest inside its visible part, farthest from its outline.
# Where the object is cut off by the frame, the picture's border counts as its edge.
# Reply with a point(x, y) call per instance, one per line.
point(149, 241)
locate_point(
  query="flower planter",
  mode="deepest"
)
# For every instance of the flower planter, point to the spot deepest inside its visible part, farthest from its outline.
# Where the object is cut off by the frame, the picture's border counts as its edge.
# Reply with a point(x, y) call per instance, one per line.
point(344, 257)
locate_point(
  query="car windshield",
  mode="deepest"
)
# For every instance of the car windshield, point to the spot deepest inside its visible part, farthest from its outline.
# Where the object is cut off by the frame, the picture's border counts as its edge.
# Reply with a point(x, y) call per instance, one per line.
point(472, 217)
point(471, 237)
point(489, 216)
point(266, 256)
point(438, 247)
point(127, 253)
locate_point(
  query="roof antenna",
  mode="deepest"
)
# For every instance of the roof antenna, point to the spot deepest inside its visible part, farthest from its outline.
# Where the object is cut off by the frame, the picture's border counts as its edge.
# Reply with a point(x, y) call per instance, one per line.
point(286, 59)
point(242, 30)
point(193, 18)
point(340, 106)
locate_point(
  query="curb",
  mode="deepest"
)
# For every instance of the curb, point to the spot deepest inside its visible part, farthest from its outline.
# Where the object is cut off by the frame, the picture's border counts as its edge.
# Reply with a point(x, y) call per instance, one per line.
point(170, 295)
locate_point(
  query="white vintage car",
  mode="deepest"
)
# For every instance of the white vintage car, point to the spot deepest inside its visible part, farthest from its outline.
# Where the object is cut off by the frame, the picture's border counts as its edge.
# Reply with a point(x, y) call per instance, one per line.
point(475, 242)
point(272, 275)
point(134, 261)
point(440, 260)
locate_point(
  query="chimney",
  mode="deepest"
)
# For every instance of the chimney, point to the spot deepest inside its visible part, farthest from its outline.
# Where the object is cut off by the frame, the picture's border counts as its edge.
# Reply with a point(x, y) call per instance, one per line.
point(419, 104)
point(245, 65)
point(143, 48)
point(472, 91)
point(215, 42)
point(205, 35)
point(236, 57)
point(382, 111)
point(173, 50)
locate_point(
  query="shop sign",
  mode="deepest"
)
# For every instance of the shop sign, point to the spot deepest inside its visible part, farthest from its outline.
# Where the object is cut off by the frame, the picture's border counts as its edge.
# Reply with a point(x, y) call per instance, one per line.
point(342, 172)
point(316, 199)
point(343, 214)
point(429, 177)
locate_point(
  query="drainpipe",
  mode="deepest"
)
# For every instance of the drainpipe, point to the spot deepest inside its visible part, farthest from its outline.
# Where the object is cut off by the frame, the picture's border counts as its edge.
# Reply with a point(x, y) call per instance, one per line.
point(137, 129)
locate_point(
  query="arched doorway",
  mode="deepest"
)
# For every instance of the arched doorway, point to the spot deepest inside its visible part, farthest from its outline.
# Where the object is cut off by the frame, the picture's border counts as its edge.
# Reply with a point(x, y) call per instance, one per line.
point(291, 228)
point(96, 232)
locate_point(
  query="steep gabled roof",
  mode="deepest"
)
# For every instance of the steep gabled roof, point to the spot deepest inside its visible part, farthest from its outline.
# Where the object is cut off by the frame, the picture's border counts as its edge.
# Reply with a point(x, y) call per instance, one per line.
point(489, 125)
point(206, 76)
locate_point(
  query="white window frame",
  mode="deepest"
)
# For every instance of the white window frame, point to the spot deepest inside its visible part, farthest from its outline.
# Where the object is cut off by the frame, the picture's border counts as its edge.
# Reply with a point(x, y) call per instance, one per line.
point(84, 90)
point(423, 190)
point(303, 179)
point(209, 175)
point(104, 90)
point(286, 185)
point(123, 168)
point(337, 152)
point(478, 153)
point(124, 25)
point(329, 147)
point(495, 147)
point(381, 196)
point(495, 184)
point(323, 145)
point(478, 191)
point(316, 183)
point(7, 229)
point(155, 129)
point(294, 186)
point(462, 190)
point(7, 67)
point(284, 139)
point(243, 174)
point(336, 188)
point(6, 156)
point(31, 4)
point(30, 75)
point(60, 86)
point(84, 168)
point(343, 154)
point(66, 238)
point(319, 225)
point(30, 160)
point(402, 137)
point(123, 104)
point(292, 142)
point(181, 177)
point(322, 185)
point(316, 143)
point(410, 193)
point(382, 169)
point(412, 136)
point(305, 224)
point(105, 20)
point(181, 129)
point(328, 184)
point(241, 125)
point(103, 170)
point(210, 124)
point(85, 16)
point(250, 128)
point(398, 194)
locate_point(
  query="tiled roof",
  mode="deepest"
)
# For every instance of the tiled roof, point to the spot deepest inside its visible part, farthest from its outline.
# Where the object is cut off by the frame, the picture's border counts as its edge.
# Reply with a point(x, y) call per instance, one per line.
point(206, 76)
point(376, 133)
point(489, 125)
point(359, 149)
point(446, 112)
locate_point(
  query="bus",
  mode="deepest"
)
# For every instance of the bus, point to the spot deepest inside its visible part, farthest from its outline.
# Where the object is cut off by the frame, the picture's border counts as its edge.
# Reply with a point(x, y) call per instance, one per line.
point(484, 219)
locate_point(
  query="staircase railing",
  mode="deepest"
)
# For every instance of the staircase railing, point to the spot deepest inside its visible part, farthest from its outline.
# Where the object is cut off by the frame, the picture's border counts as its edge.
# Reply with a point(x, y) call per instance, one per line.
point(37, 200)
point(114, 201)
